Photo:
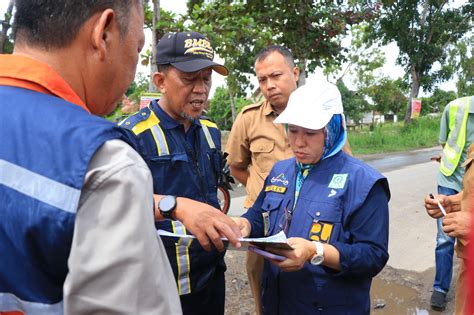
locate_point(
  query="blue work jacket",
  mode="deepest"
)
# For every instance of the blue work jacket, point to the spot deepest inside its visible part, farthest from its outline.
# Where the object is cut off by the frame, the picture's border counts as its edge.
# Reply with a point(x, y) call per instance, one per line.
point(42, 171)
point(342, 202)
point(183, 164)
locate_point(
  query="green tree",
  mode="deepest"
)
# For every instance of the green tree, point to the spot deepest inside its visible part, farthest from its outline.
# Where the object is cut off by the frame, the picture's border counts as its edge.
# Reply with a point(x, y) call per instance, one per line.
point(423, 30)
point(354, 104)
point(362, 59)
point(236, 37)
point(437, 101)
point(138, 87)
point(6, 44)
point(159, 21)
point(313, 30)
point(388, 96)
point(461, 62)
point(220, 110)
point(239, 29)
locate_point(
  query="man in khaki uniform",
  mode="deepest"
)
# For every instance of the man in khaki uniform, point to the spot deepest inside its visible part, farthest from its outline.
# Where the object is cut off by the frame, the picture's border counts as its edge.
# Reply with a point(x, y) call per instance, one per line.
point(457, 223)
point(255, 143)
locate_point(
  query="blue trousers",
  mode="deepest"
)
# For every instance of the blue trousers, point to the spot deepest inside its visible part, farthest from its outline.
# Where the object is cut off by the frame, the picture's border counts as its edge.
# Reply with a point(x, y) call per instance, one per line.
point(210, 300)
point(444, 251)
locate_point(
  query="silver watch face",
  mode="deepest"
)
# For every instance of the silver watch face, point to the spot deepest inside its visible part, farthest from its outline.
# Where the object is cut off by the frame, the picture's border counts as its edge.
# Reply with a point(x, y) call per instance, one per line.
point(317, 260)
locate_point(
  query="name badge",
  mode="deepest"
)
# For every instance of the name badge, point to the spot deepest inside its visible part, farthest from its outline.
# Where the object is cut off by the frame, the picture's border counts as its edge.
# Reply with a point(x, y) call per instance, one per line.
point(277, 189)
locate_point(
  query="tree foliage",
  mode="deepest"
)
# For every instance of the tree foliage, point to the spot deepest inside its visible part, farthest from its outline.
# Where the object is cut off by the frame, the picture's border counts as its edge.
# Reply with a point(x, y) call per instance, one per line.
point(354, 104)
point(239, 29)
point(388, 96)
point(6, 42)
point(461, 61)
point(313, 30)
point(423, 30)
point(235, 35)
point(437, 101)
point(362, 58)
point(219, 107)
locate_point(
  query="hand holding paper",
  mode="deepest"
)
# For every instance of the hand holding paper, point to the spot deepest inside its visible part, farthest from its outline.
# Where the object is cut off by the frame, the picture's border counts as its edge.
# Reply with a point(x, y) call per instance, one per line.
point(275, 241)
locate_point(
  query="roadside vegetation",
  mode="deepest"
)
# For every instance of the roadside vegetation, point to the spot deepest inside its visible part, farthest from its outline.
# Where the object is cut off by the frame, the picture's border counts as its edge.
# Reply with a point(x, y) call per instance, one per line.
point(391, 137)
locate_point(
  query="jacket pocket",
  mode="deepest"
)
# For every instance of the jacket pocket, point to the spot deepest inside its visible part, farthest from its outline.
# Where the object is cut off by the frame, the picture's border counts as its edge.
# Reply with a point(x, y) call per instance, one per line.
point(325, 220)
point(165, 169)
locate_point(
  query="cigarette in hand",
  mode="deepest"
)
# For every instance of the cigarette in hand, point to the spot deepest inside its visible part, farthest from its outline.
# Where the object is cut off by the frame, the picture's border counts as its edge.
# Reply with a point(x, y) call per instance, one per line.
point(439, 205)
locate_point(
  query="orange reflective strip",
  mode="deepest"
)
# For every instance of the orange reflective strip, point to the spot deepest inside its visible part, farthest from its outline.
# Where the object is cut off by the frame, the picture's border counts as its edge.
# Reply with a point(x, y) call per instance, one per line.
point(24, 72)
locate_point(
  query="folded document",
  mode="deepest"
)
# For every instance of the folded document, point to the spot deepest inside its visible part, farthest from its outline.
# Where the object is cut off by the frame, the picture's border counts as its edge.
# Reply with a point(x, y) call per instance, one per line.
point(275, 241)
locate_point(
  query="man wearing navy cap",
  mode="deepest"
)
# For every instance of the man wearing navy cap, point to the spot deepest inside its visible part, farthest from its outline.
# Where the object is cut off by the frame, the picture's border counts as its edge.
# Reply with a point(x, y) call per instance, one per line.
point(183, 151)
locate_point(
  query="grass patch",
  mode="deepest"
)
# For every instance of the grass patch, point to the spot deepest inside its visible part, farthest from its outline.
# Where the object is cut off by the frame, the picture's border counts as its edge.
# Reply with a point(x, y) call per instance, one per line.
point(391, 137)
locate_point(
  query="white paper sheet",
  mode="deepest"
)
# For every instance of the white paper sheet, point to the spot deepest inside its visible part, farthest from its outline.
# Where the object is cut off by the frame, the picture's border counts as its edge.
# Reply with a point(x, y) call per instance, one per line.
point(275, 241)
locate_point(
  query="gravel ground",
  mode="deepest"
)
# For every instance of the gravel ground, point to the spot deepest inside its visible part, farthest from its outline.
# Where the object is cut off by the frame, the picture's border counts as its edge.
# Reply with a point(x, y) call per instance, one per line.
point(394, 291)
point(239, 300)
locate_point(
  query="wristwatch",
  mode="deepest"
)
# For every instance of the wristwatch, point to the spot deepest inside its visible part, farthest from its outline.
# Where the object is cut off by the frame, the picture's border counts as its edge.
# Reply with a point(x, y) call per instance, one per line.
point(167, 205)
point(319, 257)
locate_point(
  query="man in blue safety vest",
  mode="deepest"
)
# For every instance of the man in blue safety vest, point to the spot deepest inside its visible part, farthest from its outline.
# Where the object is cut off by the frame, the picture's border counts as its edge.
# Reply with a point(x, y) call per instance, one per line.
point(71, 238)
point(183, 151)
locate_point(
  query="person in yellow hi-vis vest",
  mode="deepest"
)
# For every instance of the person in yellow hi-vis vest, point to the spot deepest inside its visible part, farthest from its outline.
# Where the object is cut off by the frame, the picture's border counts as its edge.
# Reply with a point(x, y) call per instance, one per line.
point(455, 136)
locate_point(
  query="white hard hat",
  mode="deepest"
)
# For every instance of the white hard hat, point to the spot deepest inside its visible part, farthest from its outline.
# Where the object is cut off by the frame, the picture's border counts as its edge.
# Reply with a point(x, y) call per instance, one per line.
point(312, 106)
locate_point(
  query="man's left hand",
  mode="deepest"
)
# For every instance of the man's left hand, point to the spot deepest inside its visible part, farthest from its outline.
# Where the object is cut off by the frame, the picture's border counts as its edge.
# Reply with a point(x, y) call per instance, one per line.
point(457, 224)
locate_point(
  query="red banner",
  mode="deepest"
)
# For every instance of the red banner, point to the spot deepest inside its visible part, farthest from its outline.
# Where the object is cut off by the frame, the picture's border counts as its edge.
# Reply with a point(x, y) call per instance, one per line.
point(415, 108)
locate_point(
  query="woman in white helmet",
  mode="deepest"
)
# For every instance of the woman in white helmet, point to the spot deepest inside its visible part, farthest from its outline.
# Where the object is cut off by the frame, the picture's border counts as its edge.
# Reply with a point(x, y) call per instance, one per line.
point(333, 208)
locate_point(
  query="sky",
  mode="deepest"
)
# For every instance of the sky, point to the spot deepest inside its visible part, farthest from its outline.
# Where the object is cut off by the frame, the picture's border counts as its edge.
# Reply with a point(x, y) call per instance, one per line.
point(179, 6)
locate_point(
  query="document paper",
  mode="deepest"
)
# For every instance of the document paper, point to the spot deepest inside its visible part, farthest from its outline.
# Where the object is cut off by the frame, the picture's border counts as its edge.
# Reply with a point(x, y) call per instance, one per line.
point(275, 241)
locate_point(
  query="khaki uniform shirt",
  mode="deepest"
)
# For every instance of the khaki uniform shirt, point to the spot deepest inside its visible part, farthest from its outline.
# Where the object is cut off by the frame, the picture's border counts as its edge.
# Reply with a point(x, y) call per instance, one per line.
point(256, 143)
point(118, 264)
point(467, 196)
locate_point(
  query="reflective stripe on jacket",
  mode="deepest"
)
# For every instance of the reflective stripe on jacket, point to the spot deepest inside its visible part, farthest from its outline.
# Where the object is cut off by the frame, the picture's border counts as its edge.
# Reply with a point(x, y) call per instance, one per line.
point(183, 170)
point(47, 144)
point(452, 151)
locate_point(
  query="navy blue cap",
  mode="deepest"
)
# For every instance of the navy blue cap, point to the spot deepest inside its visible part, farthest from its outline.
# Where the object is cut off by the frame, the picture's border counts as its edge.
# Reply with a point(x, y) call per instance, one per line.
point(187, 52)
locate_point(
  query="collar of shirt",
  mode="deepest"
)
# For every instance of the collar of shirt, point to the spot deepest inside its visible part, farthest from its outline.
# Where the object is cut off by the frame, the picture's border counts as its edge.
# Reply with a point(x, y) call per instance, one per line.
point(302, 171)
point(24, 72)
point(268, 109)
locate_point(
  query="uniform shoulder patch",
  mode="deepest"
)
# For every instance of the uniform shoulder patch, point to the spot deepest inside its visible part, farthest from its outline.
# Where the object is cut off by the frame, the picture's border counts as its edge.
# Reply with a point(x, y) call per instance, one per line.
point(251, 106)
point(208, 123)
point(134, 119)
point(141, 121)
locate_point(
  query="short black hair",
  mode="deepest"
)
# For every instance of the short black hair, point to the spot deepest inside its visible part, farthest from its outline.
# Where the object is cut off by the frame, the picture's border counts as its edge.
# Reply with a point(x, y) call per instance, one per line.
point(56, 23)
point(164, 67)
point(282, 50)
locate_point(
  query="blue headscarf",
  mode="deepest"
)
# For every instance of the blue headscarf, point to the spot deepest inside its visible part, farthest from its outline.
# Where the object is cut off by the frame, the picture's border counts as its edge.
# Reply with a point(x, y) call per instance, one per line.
point(335, 136)
point(334, 139)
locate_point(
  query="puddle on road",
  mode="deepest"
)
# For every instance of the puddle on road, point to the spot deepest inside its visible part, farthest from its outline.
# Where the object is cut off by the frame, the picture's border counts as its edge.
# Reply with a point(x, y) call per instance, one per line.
point(397, 299)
